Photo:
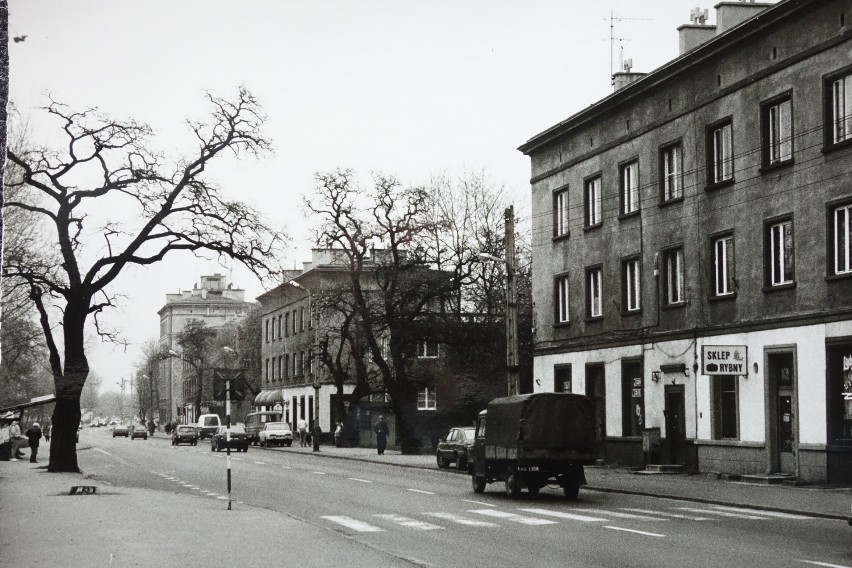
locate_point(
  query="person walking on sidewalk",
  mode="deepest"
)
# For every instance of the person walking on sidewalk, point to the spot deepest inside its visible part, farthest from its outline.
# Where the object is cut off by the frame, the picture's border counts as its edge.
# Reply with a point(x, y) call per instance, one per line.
point(302, 427)
point(33, 434)
point(46, 431)
point(16, 439)
point(382, 432)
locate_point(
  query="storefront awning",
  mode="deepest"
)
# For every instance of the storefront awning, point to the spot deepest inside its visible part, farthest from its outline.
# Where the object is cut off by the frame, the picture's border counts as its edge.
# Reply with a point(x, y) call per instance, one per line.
point(269, 397)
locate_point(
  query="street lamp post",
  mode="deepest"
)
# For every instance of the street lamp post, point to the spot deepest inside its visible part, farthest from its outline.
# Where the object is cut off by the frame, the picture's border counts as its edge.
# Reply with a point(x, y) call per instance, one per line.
point(317, 429)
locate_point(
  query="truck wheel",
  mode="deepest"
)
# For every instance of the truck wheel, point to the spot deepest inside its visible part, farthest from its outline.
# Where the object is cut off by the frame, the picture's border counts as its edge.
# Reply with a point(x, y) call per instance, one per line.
point(461, 463)
point(442, 463)
point(513, 488)
point(478, 483)
point(571, 489)
point(533, 487)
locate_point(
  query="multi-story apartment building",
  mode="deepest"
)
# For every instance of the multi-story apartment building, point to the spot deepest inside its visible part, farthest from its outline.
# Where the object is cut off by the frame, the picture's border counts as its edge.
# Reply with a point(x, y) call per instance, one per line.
point(692, 252)
point(212, 301)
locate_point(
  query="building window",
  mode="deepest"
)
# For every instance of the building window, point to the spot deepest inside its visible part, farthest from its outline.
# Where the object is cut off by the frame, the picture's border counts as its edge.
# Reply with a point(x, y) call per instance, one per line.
point(725, 424)
point(723, 266)
point(426, 400)
point(632, 398)
point(302, 319)
point(594, 292)
point(562, 378)
point(838, 359)
point(561, 299)
point(671, 166)
point(267, 370)
point(839, 108)
point(777, 129)
point(311, 361)
point(720, 153)
point(294, 323)
point(286, 366)
point(592, 201)
point(560, 213)
point(287, 324)
point(841, 239)
point(427, 350)
point(629, 188)
point(279, 327)
point(293, 369)
point(267, 330)
point(310, 318)
point(780, 259)
point(631, 286)
point(673, 288)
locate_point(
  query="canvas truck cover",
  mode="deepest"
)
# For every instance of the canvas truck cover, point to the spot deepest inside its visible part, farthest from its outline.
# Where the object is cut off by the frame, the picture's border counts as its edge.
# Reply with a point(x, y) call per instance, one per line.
point(542, 423)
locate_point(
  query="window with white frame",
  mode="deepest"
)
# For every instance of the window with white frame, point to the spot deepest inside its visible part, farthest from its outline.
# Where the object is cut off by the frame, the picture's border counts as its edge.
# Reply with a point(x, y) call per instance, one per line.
point(280, 331)
point(427, 350)
point(287, 324)
point(561, 299)
point(630, 188)
point(839, 108)
point(842, 239)
point(294, 368)
point(725, 407)
point(723, 265)
point(777, 119)
point(426, 400)
point(671, 166)
point(560, 213)
point(593, 201)
point(631, 285)
point(594, 292)
point(721, 158)
point(780, 252)
point(294, 323)
point(267, 330)
point(673, 289)
point(267, 370)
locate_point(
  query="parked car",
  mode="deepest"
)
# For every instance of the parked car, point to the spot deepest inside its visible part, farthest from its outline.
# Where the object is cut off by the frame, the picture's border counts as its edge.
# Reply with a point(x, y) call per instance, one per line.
point(255, 422)
point(185, 433)
point(457, 447)
point(239, 441)
point(138, 431)
point(120, 430)
point(275, 434)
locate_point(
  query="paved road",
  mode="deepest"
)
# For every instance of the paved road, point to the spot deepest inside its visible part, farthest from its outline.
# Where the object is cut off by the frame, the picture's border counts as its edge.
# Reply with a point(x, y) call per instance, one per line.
point(432, 518)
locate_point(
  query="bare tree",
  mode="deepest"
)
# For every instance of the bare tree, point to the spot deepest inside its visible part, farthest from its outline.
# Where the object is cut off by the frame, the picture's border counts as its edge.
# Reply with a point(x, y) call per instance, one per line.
point(107, 164)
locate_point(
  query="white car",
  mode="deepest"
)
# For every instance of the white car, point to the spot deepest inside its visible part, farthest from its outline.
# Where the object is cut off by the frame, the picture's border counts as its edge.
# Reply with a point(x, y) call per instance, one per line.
point(275, 434)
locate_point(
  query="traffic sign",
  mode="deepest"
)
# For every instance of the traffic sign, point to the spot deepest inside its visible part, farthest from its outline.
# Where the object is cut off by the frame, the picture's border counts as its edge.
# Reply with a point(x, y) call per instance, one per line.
point(236, 380)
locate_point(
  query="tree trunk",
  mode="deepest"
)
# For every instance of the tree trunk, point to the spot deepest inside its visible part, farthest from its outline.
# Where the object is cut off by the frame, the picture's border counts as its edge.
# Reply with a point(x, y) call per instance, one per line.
point(63, 435)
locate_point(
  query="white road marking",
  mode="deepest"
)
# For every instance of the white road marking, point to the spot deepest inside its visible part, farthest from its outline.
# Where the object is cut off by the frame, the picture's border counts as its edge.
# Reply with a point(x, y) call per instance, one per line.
point(286, 467)
point(420, 491)
point(187, 485)
point(104, 452)
point(217, 455)
point(237, 459)
point(512, 517)
point(826, 564)
point(354, 524)
point(635, 531)
point(319, 472)
point(462, 520)
point(758, 512)
point(722, 513)
point(478, 503)
point(620, 515)
point(672, 515)
point(409, 522)
point(561, 515)
point(222, 497)
point(260, 463)
point(361, 480)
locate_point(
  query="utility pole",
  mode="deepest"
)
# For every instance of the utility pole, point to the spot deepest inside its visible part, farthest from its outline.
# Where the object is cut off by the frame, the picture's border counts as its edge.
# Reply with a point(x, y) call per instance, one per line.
point(512, 367)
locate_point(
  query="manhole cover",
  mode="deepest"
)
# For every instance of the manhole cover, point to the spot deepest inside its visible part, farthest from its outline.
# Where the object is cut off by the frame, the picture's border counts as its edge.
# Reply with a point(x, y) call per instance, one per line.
point(83, 490)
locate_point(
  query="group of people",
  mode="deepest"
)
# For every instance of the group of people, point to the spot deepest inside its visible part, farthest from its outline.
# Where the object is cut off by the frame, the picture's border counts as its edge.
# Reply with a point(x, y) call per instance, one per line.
point(381, 429)
point(32, 437)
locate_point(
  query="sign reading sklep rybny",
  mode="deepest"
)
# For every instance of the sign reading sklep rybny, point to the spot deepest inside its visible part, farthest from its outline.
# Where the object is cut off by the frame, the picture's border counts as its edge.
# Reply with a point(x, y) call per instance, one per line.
point(724, 360)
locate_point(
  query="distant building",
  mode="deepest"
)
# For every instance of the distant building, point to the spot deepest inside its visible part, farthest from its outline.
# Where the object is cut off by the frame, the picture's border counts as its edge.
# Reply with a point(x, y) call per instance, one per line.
point(692, 254)
point(215, 303)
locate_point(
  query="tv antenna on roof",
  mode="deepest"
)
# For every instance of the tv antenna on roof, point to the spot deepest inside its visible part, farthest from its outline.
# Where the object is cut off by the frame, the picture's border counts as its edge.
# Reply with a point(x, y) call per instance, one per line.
point(612, 39)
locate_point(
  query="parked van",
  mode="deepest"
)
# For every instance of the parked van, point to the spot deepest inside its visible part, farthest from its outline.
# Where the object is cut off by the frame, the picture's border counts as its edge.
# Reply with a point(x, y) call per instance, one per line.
point(255, 422)
point(207, 424)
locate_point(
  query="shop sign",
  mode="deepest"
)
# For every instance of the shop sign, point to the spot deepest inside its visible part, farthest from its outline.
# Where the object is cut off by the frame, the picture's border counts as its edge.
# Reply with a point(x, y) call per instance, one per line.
point(724, 360)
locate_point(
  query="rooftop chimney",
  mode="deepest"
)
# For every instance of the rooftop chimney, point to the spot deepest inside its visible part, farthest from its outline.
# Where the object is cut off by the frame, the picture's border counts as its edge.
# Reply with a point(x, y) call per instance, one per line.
point(621, 79)
point(697, 32)
point(731, 14)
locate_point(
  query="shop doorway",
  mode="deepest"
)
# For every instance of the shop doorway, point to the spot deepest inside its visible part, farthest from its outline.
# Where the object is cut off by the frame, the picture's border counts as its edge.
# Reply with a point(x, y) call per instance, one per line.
point(781, 370)
point(675, 411)
point(596, 390)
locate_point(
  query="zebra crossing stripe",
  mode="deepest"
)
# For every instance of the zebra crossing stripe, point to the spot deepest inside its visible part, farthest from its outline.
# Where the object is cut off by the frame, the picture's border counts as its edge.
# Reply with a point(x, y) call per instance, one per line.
point(512, 517)
point(723, 513)
point(353, 524)
point(634, 531)
point(462, 520)
point(622, 515)
point(763, 513)
point(672, 515)
point(409, 522)
point(561, 515)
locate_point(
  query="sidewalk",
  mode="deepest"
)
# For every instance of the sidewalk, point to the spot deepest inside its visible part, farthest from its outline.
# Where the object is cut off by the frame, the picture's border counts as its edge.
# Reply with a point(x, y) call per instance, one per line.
point(818, 501)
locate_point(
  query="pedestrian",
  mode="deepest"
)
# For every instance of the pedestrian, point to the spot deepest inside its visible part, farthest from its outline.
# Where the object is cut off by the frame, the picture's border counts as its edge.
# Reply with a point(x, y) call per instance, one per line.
point(382, 432)
point(302, 427)
point(33, 434)
point(16, 439)
point(46, 431)
point(338, 434)
point(151, 427)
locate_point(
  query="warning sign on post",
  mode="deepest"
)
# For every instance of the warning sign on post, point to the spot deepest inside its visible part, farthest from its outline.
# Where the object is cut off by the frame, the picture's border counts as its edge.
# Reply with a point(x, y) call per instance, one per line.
point(724, 360)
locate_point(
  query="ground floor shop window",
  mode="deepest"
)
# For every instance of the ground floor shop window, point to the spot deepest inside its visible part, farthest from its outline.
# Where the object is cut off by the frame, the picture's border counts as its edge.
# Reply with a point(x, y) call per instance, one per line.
point(562, 378)
point(632, 398)
point(839, 371)
point(725, 407)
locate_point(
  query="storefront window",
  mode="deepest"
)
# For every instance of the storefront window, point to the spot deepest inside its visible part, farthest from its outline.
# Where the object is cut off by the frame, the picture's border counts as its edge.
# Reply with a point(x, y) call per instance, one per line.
point(839, 363)
point(632, 398)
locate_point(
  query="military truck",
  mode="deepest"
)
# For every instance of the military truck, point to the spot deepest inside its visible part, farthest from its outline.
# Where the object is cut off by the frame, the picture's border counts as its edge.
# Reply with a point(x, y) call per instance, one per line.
point(533, 440)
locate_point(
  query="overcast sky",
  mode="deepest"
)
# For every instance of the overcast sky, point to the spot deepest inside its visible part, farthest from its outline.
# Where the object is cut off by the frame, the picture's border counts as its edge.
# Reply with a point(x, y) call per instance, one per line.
point(411, 88)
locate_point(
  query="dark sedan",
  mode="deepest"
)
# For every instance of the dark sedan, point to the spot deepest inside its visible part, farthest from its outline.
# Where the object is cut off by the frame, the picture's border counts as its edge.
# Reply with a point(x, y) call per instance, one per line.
point(456, 447)
point(185, 434)
point(239, 441)
point(121, 430)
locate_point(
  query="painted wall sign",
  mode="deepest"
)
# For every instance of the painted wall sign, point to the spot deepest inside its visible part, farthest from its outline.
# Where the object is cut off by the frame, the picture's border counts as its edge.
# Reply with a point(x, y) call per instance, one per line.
point(724, 360)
